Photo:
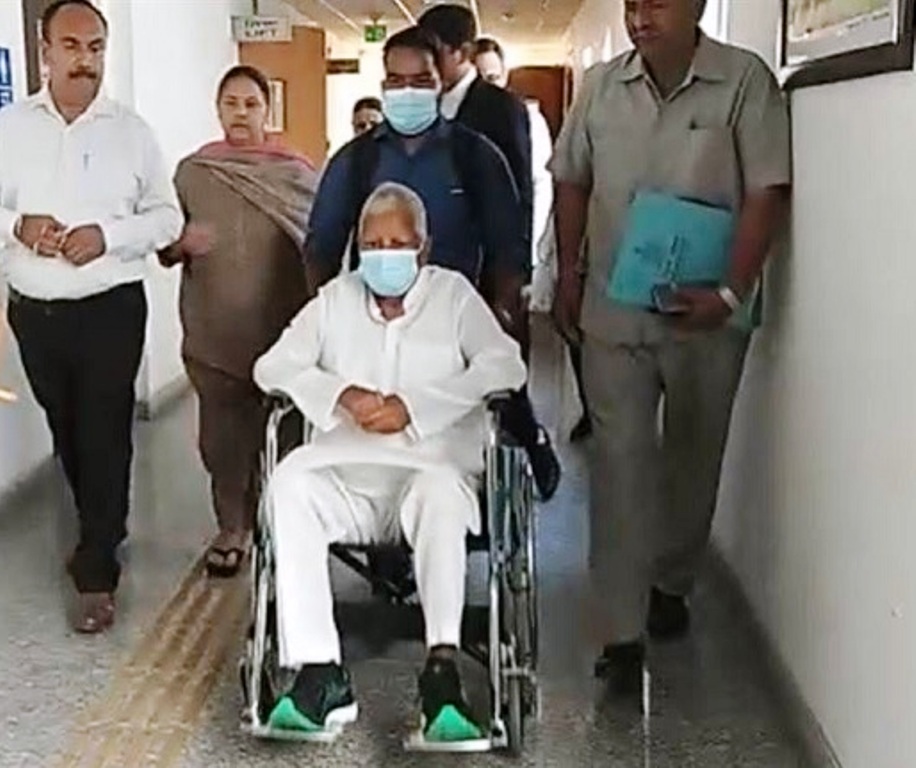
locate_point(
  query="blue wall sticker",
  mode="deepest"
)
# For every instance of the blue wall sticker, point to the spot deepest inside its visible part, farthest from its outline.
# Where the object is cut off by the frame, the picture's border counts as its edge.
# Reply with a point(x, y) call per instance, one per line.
point(6, 78)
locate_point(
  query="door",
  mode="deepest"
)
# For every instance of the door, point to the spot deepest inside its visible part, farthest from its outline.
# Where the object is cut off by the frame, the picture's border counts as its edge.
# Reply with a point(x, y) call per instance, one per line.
point(32, 11)
point(550, 86)
point(297, 70)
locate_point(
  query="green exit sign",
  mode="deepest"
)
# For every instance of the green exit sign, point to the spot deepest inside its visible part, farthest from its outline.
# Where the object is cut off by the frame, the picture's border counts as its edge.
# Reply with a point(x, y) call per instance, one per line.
point(375, 33)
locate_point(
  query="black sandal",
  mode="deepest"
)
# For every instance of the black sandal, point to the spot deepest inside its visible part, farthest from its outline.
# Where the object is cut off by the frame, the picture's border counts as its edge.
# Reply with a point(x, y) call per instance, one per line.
point(232, 560)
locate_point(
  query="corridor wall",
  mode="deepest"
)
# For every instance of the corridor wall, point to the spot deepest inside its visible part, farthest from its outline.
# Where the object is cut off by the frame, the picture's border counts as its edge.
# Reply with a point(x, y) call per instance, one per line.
point(165, 59)
point(24, 442)
point(818, 507)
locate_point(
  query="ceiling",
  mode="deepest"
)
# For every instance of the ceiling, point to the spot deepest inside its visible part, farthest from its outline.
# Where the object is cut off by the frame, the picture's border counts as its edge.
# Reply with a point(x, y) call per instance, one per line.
point(520, 22)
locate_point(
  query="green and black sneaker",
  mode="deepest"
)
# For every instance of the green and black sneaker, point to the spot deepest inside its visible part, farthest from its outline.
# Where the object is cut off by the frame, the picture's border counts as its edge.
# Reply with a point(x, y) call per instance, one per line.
point(320, 702)
point(446, 714)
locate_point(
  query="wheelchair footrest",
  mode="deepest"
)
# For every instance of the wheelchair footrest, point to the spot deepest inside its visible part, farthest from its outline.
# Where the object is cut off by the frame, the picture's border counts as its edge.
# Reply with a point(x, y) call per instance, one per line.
point(417, 742)
point(269, 733)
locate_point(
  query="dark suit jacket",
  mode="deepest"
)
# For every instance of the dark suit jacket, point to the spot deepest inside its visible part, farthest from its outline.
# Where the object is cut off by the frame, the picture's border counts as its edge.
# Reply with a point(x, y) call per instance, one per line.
point(503, 118)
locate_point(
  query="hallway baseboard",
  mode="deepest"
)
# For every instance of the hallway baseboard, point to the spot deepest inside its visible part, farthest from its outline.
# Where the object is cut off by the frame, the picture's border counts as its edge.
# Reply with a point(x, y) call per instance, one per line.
point(163, 399)
point(806, 729)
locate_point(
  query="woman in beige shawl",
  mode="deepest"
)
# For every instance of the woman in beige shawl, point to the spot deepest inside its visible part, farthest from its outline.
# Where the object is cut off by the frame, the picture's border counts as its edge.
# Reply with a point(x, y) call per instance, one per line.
point(246, 204)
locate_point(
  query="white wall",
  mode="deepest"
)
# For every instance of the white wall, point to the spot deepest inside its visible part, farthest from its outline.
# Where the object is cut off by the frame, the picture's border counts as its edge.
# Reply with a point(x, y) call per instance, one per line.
point(165, 59)
point(818, 506)
point(344, 90)
point(597, 32)
point(24, 440)
point(179, 52)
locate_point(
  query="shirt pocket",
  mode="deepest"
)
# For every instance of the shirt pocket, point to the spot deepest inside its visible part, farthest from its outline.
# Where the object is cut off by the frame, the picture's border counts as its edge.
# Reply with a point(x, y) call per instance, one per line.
point(619, 156)
point(706, 167)
point(109, 178)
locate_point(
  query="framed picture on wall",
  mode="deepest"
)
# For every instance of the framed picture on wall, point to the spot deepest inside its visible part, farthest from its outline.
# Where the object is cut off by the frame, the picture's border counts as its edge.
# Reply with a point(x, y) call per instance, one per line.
point(276, 113)
point(825, 41)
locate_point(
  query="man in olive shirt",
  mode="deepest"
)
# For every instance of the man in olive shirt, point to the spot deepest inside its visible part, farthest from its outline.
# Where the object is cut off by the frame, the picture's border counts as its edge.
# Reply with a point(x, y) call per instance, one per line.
point(702, 121)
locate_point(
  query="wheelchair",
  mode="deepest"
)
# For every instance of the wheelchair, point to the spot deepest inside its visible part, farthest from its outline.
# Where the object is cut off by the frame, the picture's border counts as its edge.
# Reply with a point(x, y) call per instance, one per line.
point(508, 646)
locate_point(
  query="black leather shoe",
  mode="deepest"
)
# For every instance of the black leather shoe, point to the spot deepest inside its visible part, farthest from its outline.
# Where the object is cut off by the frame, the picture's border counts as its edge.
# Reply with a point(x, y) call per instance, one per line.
point(582, 430)
point(545, 466)
point(669, 617)
point(621, 665)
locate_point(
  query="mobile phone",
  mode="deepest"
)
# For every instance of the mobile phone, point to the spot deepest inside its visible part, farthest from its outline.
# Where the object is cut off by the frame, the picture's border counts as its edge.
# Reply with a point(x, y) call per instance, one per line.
point(665, 301)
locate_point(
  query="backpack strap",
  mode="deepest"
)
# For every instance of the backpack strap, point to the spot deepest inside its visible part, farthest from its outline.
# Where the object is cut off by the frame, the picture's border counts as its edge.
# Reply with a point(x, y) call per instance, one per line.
point(363, 165)
point(465, 161)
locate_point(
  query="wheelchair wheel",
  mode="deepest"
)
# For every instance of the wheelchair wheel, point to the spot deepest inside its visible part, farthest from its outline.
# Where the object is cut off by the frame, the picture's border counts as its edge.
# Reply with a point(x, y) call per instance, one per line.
point(515, 715)
point(262, 664)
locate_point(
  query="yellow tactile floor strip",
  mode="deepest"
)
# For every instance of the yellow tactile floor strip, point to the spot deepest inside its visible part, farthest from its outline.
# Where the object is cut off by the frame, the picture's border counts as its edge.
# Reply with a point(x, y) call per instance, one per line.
point(157, 695)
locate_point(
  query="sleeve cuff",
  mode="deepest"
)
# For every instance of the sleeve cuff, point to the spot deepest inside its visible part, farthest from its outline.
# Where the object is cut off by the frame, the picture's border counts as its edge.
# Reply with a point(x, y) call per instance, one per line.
point(8, 221)
point(115, 233)
point(563, 172)
point(767, 179)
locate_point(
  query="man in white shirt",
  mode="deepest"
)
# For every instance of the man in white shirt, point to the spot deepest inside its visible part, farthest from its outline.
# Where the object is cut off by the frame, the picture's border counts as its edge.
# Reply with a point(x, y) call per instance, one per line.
point(490, 60)
point(391, 364)
point(84, 197)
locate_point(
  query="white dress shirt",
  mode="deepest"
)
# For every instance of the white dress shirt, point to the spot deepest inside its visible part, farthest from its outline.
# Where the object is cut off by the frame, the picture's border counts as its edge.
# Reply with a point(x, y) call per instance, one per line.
point(442, 358)
point(104, 168)
point(454, 98)
point(541, 152)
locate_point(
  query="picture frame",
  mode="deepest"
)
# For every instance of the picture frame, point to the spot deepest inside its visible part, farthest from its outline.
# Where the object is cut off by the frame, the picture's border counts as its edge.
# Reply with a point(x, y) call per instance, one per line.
point(276, 112)
point(827, 41)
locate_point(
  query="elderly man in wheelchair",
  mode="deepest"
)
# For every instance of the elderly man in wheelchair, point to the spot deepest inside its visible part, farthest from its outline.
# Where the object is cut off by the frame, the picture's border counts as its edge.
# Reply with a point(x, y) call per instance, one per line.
point(391, 367)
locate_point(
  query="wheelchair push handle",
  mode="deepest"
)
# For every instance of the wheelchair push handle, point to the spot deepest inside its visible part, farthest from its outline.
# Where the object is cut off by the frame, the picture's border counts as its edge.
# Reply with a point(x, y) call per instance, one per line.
point(497, 401)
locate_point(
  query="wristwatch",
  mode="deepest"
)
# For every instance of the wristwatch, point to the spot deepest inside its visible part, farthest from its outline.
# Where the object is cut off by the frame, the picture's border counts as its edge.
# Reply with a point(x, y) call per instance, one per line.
point(730, 298)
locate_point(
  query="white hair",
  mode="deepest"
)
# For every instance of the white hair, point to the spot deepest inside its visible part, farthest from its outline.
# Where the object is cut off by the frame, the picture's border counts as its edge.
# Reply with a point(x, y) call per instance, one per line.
point(392, 196)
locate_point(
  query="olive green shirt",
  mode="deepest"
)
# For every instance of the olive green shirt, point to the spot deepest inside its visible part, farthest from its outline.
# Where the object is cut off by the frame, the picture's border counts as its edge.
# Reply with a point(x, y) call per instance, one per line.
point(723, 132)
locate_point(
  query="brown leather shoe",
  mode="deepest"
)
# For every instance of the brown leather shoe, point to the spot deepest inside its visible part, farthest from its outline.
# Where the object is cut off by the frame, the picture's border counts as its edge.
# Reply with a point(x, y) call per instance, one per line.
point(95, 612)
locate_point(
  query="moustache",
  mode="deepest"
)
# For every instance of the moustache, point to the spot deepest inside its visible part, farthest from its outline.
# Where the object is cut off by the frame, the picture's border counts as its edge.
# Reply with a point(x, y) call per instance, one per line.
point(87, 73)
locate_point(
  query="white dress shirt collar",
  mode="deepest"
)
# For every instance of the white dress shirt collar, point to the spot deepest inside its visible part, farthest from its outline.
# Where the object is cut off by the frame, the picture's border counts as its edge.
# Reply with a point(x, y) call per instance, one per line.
point(101, 105)
point(454, 98)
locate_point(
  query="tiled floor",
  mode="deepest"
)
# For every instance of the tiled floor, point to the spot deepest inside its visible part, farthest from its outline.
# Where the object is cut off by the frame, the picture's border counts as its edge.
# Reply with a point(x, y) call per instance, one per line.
point(712, 705)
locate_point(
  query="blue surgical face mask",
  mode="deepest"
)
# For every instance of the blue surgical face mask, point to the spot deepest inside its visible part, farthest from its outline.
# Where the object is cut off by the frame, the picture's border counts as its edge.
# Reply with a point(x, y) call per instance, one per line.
point(388, 272)
point(410, 111)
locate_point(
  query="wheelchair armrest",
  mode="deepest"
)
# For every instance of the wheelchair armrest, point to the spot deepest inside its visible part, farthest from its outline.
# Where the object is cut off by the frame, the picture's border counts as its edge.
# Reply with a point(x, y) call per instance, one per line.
point(496, 401)
point(281, 409)
point(497, 405)
point(275, 401)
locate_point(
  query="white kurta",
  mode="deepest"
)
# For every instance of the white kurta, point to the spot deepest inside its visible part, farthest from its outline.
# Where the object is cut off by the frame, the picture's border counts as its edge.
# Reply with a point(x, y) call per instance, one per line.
point(442, 358)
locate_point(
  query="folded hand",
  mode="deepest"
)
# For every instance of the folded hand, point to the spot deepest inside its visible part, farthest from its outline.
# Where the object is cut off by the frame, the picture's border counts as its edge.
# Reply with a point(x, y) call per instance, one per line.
point(391, 418)
point(42, 234)
point(83, 245)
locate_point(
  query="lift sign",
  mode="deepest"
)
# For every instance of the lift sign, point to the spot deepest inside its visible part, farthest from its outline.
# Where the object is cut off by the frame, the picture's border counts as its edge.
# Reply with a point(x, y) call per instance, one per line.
point(261, 29)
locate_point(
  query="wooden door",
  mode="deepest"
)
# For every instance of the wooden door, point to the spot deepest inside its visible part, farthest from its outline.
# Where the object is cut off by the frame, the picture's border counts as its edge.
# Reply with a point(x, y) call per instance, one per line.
point(300, 66)
point(32, 11)
point(550, 86)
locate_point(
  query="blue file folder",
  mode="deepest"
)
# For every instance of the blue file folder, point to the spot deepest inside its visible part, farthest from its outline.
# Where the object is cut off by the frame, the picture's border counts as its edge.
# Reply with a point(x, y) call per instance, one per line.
point(670, 241)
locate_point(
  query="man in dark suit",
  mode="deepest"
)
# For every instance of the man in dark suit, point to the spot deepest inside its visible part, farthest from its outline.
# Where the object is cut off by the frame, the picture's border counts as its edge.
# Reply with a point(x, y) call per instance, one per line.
point(503, 118)
point(496, 113)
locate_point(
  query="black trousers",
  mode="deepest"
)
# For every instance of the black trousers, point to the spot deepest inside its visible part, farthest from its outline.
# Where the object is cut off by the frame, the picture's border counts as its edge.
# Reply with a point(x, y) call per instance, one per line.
point(518, 417)
point(81, 358)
